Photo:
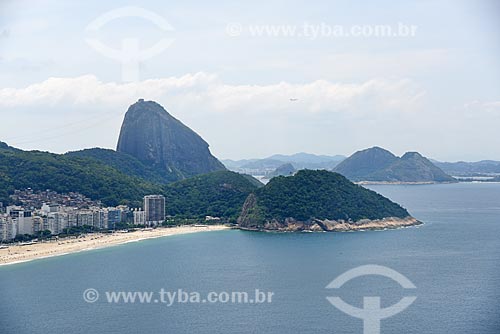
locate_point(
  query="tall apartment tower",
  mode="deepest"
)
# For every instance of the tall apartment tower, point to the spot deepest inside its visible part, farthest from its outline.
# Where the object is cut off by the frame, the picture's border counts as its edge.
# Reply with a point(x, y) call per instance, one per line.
point(154, 207)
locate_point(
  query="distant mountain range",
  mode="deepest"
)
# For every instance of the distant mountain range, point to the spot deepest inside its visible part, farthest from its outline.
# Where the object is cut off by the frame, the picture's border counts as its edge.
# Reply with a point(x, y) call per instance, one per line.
point(372, 165)
point(462, 168)
point(267, 166)
point(379, 165)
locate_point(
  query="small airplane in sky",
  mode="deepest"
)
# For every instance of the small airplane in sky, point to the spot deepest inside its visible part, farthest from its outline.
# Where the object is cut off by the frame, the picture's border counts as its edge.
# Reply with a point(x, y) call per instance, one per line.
point(293, 99)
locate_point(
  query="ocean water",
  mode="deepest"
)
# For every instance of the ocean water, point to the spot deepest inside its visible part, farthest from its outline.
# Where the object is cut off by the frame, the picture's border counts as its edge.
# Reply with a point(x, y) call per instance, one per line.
point(453, 260)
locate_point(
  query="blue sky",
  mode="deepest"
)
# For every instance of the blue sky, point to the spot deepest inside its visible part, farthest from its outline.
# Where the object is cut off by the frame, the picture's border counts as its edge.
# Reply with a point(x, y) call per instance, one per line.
point(437, 92)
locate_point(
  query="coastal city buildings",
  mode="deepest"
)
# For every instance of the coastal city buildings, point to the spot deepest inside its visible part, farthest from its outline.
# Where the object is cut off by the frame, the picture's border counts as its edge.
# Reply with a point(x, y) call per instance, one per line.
point(18, 221)
point(49, 211)
point(154, 208)
point(139, 217)
point(7, 228)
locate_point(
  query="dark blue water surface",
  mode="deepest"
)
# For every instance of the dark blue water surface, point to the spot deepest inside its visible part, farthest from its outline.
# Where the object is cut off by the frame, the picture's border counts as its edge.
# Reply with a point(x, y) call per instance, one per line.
point(454, 261)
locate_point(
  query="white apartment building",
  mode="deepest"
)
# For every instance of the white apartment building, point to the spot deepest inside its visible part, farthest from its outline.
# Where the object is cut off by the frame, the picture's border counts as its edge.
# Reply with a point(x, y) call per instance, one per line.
point(58, 221)
point(8, 228)
point(85, 218)
point(24, 225)
point(139, 217)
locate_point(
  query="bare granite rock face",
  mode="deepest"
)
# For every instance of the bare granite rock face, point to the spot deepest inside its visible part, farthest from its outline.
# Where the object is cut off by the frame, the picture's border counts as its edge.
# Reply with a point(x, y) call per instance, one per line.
point(367, 224)
point(150, 134)
point(316, 225)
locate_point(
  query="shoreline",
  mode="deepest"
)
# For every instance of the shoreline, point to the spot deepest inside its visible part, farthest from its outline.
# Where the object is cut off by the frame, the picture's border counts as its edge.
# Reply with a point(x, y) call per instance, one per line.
point(16, 253)
point(404, 182)
point(389, 223)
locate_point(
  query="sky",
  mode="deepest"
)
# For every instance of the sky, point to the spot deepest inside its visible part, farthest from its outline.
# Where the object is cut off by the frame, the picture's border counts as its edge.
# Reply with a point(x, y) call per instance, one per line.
point(256, 78)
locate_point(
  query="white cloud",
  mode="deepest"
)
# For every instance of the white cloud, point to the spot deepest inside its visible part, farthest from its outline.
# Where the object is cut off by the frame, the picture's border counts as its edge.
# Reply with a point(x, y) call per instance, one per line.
point(206, 91)
point(479, 109)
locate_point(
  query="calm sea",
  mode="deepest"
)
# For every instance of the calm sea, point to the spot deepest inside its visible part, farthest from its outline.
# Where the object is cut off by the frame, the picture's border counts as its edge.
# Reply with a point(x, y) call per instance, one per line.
point(453, 260)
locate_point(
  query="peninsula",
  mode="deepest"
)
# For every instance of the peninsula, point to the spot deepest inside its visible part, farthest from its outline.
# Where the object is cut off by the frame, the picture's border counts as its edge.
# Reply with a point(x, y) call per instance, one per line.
point(315, 201)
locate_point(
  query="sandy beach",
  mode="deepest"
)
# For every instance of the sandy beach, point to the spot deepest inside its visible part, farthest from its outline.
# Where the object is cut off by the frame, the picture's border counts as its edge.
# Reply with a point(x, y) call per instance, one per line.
point(16, 253)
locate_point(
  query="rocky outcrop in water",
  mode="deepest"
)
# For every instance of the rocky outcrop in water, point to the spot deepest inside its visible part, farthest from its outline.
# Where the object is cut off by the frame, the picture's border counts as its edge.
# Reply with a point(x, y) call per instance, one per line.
point(318, 201)
point(317, 225)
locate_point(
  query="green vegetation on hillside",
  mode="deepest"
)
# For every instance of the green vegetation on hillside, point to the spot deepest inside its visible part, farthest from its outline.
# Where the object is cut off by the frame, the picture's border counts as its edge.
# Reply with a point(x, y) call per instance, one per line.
point(41, 170)
point(316, 194)
point(218, 194)
point(127, 164)
point(116, 178)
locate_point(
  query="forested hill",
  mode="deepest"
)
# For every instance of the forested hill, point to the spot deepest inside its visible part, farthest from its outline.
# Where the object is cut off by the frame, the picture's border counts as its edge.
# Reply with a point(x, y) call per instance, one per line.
point(218, 194)
point(312, 195)
point(66, 173)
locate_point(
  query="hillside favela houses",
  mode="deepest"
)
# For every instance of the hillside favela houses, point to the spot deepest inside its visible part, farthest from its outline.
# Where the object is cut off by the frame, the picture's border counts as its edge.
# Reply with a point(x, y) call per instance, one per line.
point(50, 213)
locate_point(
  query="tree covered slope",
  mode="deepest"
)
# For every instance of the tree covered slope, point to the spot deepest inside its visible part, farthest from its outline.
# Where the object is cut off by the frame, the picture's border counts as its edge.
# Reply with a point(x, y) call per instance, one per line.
point(218, 194)
point(41, 170)
point(310, 195)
